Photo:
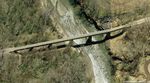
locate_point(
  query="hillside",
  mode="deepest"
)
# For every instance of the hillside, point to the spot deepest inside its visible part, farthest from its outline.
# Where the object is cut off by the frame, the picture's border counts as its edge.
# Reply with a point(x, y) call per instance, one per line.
point(119, 59)
point(130, 51)
point(24, 22)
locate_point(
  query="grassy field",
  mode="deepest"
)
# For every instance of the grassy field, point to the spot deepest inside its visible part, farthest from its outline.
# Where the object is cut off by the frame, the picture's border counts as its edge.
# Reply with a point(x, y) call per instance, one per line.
point(22, 23)
point(56, 66)
point(124, 11)
point(129, 51)
point(112, 10)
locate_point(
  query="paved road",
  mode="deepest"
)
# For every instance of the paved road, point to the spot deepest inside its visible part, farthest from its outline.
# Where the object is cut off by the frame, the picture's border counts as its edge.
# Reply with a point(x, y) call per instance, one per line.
point(134, 23)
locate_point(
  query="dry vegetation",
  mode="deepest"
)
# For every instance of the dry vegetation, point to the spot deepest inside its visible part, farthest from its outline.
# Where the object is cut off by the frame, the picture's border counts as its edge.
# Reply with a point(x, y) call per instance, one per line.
point(120, 11)
point(129, 51)
point(22, 23)
point(56, 66)
point(124, 11)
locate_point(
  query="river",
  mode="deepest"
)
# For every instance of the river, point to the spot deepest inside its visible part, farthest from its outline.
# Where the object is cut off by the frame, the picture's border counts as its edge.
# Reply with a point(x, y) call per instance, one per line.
point(68, 24)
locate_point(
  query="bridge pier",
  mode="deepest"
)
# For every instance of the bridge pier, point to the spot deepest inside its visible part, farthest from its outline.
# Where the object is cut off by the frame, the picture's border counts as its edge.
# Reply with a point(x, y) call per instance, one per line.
point(108, 35)
point(89, 35)
point(70, 44)
point(50, 45)
point(89, 40)
point(30, 49)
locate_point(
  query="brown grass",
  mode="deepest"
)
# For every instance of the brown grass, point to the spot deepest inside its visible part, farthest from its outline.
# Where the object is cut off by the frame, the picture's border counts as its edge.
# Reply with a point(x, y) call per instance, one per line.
point(22, 23)
point(131, 49)
point(56, 66)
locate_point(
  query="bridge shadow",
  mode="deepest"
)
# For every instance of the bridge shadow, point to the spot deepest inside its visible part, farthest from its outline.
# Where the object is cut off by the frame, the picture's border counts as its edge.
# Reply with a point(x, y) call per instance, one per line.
point(88, 43)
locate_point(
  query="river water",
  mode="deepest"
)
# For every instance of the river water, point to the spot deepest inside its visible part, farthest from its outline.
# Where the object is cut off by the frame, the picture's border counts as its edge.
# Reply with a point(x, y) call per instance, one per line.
point(62, 15)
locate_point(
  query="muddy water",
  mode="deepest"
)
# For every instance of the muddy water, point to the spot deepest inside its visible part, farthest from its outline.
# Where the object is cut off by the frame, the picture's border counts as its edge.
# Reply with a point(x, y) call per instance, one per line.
point(68, 24)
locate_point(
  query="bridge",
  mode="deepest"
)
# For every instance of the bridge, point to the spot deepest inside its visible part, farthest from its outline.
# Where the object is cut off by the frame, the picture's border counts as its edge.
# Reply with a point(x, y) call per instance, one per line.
point(89, 35)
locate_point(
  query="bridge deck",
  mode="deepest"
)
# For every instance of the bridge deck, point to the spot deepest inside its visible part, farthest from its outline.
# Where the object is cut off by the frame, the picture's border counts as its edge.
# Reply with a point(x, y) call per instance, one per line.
point(78, 37)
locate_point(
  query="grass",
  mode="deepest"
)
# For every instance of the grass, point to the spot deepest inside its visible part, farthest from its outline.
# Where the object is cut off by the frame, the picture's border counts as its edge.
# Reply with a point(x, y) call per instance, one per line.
point(56, 66)
point(112, 10)
point(127, 10)
point(100, 8)
point(131, 49)
point(22, 22)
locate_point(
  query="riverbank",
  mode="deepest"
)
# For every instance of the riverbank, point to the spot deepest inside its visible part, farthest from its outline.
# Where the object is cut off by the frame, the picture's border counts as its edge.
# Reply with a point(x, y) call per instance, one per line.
point(73, 26)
